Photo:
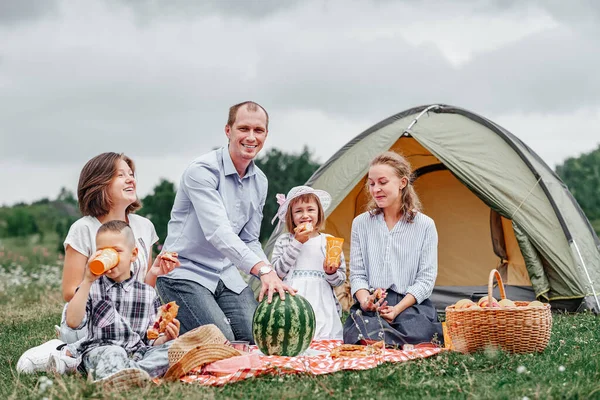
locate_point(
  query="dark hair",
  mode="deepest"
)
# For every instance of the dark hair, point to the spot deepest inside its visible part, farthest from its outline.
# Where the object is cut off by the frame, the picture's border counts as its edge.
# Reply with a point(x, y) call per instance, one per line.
point(118, 226)
point(94, 180)
point(410, 200)
point(305, 198)
point(250, 106)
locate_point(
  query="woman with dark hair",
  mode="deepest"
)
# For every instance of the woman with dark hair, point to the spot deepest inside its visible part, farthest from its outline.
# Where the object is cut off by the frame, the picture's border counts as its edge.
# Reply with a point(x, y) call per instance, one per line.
point(393, 261)
point(106, 191)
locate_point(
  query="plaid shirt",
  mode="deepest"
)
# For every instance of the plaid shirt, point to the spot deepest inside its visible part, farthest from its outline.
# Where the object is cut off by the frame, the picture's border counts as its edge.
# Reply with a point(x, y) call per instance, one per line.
point(118, 313)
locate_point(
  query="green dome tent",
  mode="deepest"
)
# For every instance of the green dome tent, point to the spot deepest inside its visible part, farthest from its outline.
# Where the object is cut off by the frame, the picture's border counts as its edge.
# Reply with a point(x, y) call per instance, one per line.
point(496, 204)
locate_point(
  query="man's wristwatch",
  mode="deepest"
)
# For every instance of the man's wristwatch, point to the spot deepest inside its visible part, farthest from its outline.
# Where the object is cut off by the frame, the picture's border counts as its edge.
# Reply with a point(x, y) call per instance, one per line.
point(265, 269)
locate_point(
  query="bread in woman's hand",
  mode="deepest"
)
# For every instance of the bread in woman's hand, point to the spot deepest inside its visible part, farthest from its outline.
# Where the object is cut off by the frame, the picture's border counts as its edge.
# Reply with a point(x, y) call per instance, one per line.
point(169, 256)
point(379, 294)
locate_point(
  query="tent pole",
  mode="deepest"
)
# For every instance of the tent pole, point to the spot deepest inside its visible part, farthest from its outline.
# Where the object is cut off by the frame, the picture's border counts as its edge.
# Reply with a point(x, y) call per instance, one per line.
point(425, 111)
point(586, 272)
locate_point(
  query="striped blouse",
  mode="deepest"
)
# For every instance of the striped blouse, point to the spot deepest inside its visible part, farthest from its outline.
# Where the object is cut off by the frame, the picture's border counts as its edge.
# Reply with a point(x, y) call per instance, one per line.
point(403, 259)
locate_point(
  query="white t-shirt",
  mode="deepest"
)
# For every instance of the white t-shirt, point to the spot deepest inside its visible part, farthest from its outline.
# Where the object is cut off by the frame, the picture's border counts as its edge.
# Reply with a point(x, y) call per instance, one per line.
point(82, 238)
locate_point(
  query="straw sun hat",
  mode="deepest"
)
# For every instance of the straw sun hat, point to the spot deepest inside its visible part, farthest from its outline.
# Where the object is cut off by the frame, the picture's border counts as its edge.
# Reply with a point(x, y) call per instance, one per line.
point(196, 348)
point(284, 201)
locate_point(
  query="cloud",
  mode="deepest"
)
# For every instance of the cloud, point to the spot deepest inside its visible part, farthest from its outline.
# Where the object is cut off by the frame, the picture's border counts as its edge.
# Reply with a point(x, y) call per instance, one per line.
point(157, 9)
point(17, 11)
point(155, 79)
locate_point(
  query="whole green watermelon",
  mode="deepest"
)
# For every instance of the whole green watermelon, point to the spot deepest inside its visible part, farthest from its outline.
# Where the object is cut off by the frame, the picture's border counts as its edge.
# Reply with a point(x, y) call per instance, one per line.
point(283, 328)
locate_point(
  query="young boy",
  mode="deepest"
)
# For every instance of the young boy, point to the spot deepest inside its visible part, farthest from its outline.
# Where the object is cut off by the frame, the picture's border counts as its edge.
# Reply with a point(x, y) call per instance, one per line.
point(117, 311)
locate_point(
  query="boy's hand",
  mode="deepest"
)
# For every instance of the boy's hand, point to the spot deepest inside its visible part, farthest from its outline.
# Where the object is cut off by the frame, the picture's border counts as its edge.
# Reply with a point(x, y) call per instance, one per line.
point(331, 268)
point(171, 333)
point(88, 276)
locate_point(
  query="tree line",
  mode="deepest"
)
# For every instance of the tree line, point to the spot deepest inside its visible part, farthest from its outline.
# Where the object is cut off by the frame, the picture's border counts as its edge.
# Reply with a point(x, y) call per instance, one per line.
point(284, 170)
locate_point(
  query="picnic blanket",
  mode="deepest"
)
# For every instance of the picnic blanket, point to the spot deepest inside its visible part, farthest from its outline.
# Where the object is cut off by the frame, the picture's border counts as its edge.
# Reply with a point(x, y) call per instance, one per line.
point(256, 364)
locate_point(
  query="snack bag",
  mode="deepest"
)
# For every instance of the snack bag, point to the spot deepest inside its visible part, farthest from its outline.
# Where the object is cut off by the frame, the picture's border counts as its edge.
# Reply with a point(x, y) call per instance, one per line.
point(447, 340)
point(334, 249)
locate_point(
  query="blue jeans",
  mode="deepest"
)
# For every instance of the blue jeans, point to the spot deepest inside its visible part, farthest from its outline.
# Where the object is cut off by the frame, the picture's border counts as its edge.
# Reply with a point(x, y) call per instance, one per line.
point(232, 313)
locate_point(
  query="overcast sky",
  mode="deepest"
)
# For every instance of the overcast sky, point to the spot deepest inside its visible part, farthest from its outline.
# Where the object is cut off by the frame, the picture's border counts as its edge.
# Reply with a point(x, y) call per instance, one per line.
point(154, 79)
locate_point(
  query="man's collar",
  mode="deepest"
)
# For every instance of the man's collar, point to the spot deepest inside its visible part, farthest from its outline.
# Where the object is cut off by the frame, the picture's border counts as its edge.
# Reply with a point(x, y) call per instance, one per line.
point(229, 167)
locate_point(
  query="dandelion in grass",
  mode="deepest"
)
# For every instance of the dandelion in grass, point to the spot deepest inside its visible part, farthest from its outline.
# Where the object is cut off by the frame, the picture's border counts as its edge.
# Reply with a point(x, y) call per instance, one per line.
point(521, 369)
point(561, 368)
point(45, 383)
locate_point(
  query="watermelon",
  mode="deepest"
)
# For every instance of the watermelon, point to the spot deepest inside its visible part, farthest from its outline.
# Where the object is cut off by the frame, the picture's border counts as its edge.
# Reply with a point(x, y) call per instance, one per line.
point(283, 328)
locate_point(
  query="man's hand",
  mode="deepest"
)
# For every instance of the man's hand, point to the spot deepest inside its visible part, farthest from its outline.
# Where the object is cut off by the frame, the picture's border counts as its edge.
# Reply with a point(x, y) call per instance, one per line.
point(331, 268)
point(271, 284)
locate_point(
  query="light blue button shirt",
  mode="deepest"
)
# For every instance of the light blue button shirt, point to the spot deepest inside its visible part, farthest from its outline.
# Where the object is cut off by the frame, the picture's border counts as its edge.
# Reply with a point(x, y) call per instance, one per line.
point(215, 221)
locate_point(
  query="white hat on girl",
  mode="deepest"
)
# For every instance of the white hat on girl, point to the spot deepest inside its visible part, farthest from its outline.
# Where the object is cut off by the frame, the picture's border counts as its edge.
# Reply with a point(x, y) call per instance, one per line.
point(284, 201)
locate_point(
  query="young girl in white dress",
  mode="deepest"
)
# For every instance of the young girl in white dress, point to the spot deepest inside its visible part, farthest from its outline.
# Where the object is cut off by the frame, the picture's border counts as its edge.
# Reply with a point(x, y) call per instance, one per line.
point(299, 257)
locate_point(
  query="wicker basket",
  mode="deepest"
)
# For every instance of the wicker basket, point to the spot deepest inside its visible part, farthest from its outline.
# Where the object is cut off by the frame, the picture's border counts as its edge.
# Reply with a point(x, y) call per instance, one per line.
point(520, 329)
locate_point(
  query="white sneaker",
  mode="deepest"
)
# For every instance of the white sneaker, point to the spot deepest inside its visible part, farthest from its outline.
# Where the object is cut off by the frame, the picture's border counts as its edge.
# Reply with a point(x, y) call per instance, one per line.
point(61, 363)
point(125, 379)
point(36, 358)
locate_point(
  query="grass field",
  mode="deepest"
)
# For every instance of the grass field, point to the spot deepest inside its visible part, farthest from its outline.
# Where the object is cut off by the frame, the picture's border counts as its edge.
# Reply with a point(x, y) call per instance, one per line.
point(569, 368)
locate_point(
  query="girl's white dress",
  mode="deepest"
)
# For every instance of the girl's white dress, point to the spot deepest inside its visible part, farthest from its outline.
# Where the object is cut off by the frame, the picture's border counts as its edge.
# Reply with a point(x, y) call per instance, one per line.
point(308, 277)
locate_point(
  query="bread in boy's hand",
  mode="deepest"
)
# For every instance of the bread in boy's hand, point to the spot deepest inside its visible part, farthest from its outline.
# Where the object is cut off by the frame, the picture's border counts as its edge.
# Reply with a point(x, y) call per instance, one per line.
point(304, 228)
point(166, 315)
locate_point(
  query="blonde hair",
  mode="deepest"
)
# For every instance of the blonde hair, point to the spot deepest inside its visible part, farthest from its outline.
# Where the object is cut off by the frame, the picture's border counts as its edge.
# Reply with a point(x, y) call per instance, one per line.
point(305, 198)
point(410, 200)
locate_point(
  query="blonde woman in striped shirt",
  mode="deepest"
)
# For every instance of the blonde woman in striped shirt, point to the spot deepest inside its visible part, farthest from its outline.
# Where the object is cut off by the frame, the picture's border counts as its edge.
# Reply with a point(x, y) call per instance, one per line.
point(393, 261)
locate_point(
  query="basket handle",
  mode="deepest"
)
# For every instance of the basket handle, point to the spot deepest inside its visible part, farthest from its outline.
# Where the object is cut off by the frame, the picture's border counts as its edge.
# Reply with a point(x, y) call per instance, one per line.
point(495, 273)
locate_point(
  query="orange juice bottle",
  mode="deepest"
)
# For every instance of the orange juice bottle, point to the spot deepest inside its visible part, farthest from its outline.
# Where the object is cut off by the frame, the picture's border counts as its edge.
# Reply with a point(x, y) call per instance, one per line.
point(109, 258)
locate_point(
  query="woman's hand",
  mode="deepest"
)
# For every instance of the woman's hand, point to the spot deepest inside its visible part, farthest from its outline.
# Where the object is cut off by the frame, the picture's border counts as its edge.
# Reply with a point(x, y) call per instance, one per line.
point(164, 263)
point(389, 313)
point(371, 302)
point(329, 267)
point(171, 333)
